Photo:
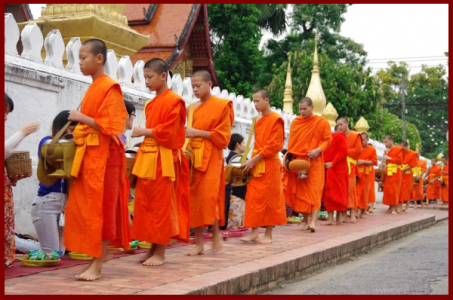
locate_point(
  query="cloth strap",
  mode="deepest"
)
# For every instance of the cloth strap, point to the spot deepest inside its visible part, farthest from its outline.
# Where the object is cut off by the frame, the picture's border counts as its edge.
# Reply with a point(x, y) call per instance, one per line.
point(189, 124)
point(84, 136)
point(260, 167)
point(350, 161)
point(247, 146)
point(392, 169)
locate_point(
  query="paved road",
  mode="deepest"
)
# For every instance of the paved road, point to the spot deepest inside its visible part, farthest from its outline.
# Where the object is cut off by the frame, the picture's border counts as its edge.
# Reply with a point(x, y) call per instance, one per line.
point(417, 264)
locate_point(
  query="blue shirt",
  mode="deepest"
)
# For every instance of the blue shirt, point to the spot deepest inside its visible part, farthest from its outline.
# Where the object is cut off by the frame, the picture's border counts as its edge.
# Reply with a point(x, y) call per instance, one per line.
point(58, 186)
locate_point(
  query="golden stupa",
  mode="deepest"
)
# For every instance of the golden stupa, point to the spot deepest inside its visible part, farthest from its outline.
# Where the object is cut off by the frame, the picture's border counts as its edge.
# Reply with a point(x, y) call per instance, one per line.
point(315, 91)
point(288, 92)
point(331, 114)
point(362, 125)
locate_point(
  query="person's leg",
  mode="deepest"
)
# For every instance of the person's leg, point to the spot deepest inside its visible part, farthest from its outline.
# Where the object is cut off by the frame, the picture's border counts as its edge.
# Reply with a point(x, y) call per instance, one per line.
point(94, 271)
point(45, 213)
point(199, 246)
point(267, 239)
point(329, 218)
point(252, 236)
point(314, 219)
point(217, 243)
point(158, 257)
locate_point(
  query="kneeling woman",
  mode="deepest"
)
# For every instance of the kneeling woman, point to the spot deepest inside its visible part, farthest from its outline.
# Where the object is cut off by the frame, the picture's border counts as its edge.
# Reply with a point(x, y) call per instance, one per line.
point(51, 199)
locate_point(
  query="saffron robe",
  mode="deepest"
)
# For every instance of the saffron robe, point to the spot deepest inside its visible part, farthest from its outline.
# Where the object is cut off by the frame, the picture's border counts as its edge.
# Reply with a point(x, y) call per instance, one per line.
point(83, 230)
point(207, 191)
point(407, 184)
point(335, 192)
point(364, 173)
point(306, 134)
point(355, 148)
point(393, 176)
point(417, 190)
point(161, 209)
point(372, 195)
point(264, 201)
point(444, 190)
point(433, 189)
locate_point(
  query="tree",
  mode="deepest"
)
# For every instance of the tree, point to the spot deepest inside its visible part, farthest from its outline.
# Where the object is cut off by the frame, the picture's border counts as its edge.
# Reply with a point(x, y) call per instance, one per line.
point(235, 37)
point(272, 17)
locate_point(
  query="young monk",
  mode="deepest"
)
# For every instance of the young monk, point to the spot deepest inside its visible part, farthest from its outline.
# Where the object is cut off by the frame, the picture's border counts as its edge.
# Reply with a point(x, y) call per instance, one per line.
point(355, 148)
point(309, 135)
point(407, 184)
point(161, 208)
point(365, 163)
point(372, 195)
point(444, 189)
point(211, 133)
point(417, 191)
point(335, 192)
point(96, 211)
point(433, 188)
point(392, 181)
point(264, 201)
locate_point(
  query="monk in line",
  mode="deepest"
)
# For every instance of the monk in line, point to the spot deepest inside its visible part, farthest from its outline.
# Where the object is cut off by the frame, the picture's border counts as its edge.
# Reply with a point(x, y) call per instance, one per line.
point(355, 148)
point(372, 195)
point(409, 162)
point(309, 136)
point(161, 209)
point(264, 201)
point(417, 191)
point(96, 211)
point(365, 163)
point(433, 188)
point(444, 189)
point(335, 192)
point(211, 133)
point(393, 177)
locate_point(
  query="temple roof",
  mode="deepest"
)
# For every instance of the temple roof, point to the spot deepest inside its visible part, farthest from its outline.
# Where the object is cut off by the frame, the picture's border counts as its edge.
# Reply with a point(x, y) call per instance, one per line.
point(21, 12)
point(171, 28)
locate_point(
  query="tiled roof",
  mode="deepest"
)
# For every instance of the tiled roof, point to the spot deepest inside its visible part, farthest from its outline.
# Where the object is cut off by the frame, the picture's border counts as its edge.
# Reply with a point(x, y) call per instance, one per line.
point(145, 56)
point(134, 12)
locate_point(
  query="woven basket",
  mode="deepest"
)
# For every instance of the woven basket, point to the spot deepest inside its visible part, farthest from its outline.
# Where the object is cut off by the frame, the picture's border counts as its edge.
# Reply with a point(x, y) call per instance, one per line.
point(19, 164)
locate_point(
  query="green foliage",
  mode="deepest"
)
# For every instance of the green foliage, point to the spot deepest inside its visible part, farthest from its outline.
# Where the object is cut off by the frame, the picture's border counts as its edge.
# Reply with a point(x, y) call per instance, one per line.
point(235, 37)
point(392, 125)
point(272, 17)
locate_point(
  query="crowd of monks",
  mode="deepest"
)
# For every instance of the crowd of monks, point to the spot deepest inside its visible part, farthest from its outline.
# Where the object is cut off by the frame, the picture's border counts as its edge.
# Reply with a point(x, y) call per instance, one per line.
point(174, 193)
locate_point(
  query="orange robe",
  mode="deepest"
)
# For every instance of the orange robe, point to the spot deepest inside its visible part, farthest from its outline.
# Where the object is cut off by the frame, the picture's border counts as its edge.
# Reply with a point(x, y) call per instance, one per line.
point(207, 191)
point(86, 219)
point(433, 189)
point(335, 192)
point(417, 190)
point(393, 176)
point(264, 201)
point(372, 195)
point(410, 159)
point(161, 209)
point(364, 172)
point(444, 190)
point(306, 134)
point(355, 148)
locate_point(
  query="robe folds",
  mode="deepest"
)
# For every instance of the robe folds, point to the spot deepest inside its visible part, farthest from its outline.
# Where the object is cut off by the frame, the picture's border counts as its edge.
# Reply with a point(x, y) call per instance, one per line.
point(355, 148)
point(433, 189)
point(407, 184)
point(335, 193)
point(264, 201)
point(417, 190)
point(393, 176)
point(207, 191)
point(444, 190)
point(306, 134)
point(161, 209)
point(85, 216)
point(364, 173)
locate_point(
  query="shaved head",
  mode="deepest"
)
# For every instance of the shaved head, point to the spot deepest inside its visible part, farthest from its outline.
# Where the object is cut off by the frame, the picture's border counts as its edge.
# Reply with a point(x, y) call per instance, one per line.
point(306, 100)
point(264, 93)
point(404, 143)
point(97, 46)
point(343, 119)
point(203, 74)
point(365, 135)
point(388, 137)
point(157, 65)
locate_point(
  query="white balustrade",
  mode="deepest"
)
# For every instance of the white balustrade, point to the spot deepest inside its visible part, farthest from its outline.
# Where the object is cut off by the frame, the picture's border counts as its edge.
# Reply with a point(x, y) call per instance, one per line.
point(11, 34)
point(139, 78)
point(72, 55)
point(54, 47)
point(216, 91)
point(125, 71)
point(187, 92)
point(111, 65)
point(32, 41)
point(239, 108)
point(177, 85)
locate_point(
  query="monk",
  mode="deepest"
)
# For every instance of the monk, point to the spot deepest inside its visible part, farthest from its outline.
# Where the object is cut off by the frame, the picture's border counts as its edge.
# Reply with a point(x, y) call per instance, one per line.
point(161, 209)
point(264, 201)
point(409, 162)
point(433, 188)
point(96, 211)
point(417, 191)
point(392, 182)
point(365, 163)
point(444, 188)
point(355, 148)
point(335, 192)
point(309, 136)
point(372, 195)
point(211, 133)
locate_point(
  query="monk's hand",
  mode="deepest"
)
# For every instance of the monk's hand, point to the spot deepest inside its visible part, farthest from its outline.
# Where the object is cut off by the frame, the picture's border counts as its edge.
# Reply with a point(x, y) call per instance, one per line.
point(314, 153)
point(328, 164)
point(248, 166)
point(137, 132)
point(387, 157)
point(191, 132)
point(75, 115)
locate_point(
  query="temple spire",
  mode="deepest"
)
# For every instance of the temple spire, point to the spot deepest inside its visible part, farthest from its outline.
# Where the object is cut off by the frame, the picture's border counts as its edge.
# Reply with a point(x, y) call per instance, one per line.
point(315, 91)
point(288, 92)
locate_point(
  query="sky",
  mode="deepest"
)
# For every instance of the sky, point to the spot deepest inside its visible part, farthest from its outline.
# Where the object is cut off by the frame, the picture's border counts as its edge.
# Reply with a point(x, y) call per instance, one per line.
point(415, 33)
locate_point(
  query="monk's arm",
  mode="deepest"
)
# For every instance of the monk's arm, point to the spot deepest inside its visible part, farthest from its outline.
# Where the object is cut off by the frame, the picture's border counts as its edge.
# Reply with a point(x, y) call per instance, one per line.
point(221, 134)
point(357, 149)
point(111, 116)
point(275, 142)
point(75, 115)
point(166, 133)
point(365, 162)
point(326, 139)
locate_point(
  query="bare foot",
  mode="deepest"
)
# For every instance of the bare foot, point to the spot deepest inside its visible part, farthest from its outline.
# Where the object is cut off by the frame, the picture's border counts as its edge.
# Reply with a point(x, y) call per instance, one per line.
point(394, 213)
point(147, 255)
point(329, 223)
point(405, 210)
point(217, 243)
point(312, 229)
point(155, 260)
point(353, 219)
point(197, 250)
point(265, 240)
point(250, 238)
point(92, 273)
